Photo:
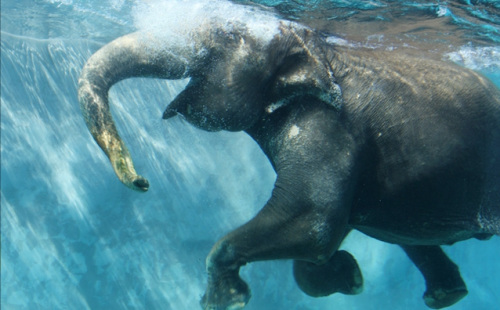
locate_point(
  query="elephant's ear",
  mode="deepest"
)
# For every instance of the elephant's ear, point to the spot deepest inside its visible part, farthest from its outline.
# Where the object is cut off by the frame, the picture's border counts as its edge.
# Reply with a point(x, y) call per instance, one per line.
point(300, 69)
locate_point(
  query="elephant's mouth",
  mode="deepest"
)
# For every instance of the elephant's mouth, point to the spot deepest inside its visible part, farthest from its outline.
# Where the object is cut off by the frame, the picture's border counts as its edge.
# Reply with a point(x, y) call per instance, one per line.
point(170, 112)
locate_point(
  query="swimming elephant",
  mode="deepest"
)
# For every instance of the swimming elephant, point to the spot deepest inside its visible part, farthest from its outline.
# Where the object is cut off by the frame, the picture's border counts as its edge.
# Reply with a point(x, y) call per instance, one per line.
point(403, 149)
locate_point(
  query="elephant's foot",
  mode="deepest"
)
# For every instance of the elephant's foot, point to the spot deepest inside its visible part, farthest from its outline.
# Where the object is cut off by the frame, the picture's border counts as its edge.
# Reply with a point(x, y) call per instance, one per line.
point(339, 274)
point(228, 292)
point(441, 297)
point(444, 284)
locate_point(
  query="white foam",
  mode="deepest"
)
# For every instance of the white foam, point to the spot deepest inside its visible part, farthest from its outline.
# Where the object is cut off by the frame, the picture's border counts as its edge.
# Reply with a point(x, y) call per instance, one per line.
point(177, 19)
point(443, 11)
point(339, 41)
point(60, 2)
point(477, 58)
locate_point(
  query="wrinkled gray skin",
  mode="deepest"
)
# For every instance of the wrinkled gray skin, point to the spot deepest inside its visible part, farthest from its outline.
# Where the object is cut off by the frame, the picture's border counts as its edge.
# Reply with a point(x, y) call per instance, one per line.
point(405, 150)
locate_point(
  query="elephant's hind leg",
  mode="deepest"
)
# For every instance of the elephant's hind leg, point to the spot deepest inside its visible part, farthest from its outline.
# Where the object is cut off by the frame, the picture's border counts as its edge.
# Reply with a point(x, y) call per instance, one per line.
point(340, 274)
point(445, 285)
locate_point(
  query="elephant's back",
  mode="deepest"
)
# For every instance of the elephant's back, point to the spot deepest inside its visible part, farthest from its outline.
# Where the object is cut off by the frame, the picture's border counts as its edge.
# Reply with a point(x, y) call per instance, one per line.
point(368, 78)
point(431, 132)
point(418, 115)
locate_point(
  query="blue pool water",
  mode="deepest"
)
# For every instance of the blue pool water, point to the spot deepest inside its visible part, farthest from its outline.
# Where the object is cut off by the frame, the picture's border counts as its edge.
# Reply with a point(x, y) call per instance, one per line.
point(73, 237)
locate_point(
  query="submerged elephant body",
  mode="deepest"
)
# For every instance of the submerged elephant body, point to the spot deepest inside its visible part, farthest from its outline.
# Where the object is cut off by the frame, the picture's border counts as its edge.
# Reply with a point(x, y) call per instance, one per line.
point(405, 150)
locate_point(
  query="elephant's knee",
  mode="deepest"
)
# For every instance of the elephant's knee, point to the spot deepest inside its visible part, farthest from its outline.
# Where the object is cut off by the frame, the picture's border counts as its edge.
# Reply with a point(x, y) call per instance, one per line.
point(324, 239)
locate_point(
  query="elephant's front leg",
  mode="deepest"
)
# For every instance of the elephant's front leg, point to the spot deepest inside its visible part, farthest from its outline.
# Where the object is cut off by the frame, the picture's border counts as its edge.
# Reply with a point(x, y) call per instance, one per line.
point(296, 223)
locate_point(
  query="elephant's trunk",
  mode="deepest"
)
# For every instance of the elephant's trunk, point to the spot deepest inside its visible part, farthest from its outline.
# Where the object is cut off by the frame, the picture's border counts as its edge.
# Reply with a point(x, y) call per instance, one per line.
point(133, 55)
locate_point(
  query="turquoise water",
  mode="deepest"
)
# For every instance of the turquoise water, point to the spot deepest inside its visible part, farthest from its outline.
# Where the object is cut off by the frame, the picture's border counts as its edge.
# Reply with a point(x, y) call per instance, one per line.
point(73, 237)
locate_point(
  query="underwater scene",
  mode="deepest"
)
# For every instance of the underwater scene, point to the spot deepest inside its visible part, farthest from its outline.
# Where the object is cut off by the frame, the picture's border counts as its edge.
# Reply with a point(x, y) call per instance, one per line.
point(74, 237)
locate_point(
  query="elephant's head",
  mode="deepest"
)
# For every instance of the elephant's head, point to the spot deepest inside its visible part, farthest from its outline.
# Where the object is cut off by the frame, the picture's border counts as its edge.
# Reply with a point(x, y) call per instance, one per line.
point(235, 79)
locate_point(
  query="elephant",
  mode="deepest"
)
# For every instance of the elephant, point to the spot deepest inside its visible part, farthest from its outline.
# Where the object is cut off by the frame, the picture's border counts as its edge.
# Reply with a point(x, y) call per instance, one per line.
point(403, 149)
